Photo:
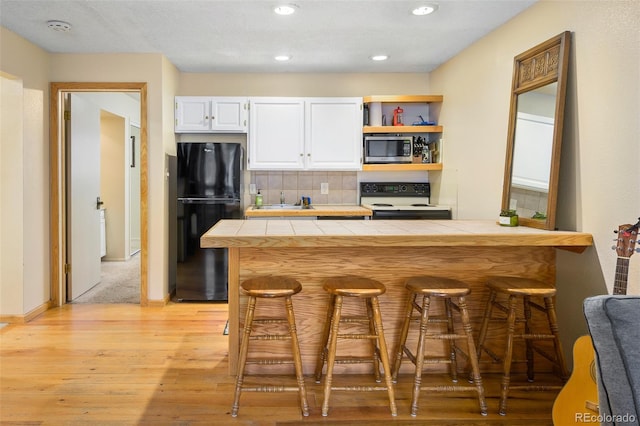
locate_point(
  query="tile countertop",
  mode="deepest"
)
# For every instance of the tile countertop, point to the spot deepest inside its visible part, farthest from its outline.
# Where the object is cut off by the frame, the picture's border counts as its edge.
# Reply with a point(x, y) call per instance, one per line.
point(380, 233)
point(316, 210)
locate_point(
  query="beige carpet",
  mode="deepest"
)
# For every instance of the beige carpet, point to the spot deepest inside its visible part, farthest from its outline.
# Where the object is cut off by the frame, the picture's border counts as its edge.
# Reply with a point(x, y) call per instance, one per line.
point(119, 283)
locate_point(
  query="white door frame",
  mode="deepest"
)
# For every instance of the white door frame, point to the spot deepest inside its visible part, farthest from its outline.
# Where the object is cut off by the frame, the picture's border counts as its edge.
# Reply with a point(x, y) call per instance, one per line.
point(57, 179)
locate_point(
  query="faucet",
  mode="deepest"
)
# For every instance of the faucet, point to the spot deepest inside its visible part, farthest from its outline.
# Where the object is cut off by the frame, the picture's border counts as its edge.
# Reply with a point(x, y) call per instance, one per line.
point(281, 197)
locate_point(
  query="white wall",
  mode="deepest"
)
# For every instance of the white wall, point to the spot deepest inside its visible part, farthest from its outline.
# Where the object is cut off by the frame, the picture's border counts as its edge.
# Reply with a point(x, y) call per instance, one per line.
point(600, 172)
point(11, 197)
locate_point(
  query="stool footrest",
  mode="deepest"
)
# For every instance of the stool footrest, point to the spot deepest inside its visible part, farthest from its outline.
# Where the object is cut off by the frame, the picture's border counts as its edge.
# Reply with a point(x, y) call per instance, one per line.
point(354, 319)
point(353, 359)
point(359, 388)
point(357, 336)
point(270, 321)
point(270, 388)
point(271, 337)
point(450, 388)
point(269, 361)
point(541, 388)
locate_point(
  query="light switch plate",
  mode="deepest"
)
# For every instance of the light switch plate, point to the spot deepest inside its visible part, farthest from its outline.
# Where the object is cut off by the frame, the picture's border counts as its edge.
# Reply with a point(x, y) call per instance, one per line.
point(252, 188)
point(324, 188)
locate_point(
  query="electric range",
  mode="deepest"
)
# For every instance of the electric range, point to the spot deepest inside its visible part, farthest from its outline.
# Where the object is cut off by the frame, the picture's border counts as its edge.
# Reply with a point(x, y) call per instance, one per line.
point(401, 200)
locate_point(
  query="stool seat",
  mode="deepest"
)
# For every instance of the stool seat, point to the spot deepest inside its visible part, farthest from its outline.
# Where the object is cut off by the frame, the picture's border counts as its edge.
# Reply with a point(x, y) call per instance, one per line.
point(437, 286)
point(521, 286)
point(271, 286)
point(353, 287)
point(422, 294)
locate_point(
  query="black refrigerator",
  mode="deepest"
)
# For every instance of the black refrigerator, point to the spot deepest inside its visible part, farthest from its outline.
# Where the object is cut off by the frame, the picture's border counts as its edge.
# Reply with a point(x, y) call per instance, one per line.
point(208, 189)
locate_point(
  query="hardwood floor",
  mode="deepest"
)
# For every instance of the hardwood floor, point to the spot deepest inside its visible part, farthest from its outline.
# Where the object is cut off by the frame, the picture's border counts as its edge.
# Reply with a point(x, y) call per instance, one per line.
point(126, 365)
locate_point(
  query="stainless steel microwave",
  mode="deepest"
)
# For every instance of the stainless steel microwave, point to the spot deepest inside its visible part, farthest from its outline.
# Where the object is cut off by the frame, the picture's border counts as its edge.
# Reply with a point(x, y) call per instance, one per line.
point(388, 149)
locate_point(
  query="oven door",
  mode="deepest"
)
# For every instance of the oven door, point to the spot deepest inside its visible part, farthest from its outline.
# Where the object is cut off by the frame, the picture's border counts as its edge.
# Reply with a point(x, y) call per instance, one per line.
point(411, 214)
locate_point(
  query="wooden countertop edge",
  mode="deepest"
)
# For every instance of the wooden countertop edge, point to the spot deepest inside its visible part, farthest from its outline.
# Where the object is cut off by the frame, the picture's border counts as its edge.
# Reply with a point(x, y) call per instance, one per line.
point(574, 242)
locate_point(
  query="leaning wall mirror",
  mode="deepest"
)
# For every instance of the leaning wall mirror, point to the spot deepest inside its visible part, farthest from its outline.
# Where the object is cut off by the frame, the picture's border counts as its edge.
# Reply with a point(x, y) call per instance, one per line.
point(534, 139)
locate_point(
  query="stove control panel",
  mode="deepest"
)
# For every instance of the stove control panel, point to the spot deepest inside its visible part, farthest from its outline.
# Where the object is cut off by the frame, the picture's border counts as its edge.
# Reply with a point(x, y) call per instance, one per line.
point(395, 189)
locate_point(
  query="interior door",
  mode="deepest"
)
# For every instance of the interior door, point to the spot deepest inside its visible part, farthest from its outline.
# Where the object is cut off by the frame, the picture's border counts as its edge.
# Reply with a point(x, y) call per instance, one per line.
point(83, 251)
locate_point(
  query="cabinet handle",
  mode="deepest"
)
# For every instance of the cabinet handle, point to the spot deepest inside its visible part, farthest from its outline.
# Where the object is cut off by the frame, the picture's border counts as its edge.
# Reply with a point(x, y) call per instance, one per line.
point(212, 117)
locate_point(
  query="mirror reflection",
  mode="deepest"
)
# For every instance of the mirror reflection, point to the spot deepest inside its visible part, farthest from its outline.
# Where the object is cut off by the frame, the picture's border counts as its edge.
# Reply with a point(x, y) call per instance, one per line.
point(535, 132)
point(532, 152)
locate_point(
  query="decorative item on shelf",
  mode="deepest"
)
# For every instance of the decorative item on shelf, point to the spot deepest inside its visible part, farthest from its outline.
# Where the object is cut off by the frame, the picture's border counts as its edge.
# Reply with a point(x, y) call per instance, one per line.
point(422, 122)
point(397, 117)
point(508, 218)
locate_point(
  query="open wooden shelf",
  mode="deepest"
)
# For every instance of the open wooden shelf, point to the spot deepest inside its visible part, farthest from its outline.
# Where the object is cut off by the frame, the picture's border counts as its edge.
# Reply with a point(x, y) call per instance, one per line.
point(402, 98)
point(402, 129)
point(401, 167)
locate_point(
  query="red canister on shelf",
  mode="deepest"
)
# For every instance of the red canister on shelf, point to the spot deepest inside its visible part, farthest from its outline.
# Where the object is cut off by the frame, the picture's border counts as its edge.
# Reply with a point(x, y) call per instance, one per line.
point(397, 117)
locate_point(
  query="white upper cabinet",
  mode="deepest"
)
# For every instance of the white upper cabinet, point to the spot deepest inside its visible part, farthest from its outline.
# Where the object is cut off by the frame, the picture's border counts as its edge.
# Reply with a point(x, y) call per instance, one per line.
point(206, 114)
point(333, 129)
point(276, 133)
point(305, 133)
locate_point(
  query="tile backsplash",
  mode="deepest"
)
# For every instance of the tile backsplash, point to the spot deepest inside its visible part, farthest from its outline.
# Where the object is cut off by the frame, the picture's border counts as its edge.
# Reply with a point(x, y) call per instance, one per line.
point(343, 186)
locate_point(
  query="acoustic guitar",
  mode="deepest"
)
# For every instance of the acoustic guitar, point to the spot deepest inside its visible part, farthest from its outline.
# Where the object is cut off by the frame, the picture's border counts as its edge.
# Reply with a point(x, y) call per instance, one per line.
point(580, 394)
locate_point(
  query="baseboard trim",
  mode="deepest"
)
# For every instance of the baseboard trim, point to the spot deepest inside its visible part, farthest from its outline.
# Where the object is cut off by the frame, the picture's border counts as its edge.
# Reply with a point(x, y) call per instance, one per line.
point(25, 318)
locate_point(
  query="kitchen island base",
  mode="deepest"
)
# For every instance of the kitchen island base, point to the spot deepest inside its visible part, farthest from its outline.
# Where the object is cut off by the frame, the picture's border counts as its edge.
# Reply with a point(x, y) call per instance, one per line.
point(389, 251)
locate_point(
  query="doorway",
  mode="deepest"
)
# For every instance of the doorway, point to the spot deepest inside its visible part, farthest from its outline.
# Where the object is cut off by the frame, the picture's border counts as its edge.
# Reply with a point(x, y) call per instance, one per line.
point(60, 266)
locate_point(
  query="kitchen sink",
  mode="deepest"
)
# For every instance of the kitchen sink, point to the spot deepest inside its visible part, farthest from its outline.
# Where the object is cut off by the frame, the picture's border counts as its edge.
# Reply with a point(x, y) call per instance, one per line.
point(284, 207)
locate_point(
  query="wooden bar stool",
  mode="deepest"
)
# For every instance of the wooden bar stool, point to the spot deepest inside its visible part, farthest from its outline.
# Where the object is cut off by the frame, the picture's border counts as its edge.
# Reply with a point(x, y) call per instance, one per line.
point(517, 289)
point(265, 288)
point(369, 290)
point(453, 295)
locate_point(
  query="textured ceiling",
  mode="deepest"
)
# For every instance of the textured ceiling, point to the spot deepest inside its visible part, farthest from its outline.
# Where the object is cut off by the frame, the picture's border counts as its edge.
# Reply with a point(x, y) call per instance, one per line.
point(244, 36)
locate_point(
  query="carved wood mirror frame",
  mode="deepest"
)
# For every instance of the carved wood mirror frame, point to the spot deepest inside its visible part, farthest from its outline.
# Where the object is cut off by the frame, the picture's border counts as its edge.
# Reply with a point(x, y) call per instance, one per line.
point(540, 66)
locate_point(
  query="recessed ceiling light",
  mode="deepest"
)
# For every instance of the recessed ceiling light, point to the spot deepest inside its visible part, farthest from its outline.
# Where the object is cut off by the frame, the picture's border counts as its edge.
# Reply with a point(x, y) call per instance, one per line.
point(425, 9)
point(285, 9)
point(379, 57)
point(282, 58)
point(61, 26)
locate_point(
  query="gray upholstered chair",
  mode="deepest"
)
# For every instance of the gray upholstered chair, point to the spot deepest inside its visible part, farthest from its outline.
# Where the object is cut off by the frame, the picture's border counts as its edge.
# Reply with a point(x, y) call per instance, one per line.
point(614, 325)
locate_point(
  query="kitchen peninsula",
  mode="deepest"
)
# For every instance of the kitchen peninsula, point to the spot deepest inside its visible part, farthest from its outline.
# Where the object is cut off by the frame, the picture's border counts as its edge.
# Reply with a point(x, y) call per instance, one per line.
point(389, 251)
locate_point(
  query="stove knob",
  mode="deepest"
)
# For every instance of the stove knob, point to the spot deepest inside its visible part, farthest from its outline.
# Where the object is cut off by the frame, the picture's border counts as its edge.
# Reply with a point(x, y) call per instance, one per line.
point(403, 188)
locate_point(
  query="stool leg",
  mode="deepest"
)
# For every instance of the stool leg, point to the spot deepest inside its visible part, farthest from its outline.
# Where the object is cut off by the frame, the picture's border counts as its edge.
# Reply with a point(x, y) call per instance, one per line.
point(297, 358)
point(528, 343)
point(475, 368)
point(324, 341)
point(453, 365)
point(384, 355)
point(485, 323)
point(333, 340)
point(417, 378)
point(508, 354)
point(408, 312)
point(553, 325)
point(244, 348)
point(374, 344)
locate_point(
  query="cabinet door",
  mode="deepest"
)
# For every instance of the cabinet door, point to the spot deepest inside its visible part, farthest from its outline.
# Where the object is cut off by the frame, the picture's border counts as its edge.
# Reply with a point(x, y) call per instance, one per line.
point(229, 115)
point(276, 133)
point(334, 134)
point(193, 114)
